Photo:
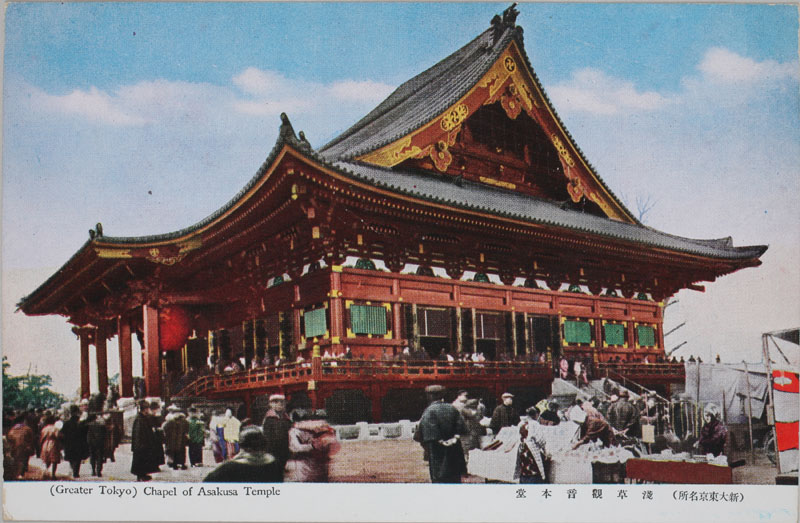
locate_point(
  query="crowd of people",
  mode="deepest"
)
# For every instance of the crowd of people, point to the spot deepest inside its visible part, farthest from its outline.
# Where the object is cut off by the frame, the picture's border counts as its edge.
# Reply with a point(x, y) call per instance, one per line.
point(78, 432)
point(616, 421)
point(294, 446)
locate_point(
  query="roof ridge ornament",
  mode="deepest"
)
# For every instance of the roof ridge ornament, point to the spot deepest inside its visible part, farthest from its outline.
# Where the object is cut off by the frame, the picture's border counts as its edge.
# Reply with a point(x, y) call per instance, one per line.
point(97, 232)
point(286, 131)
point(508, 20)
point(304, 143)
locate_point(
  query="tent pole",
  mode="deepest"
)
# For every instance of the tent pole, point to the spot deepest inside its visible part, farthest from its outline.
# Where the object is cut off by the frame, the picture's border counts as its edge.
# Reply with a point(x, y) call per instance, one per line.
point(749, 412)
point(768, 362)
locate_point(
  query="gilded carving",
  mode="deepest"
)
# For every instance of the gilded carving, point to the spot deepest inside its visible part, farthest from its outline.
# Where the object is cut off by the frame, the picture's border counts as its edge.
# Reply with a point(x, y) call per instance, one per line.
point(510, 101)
point(510, 65)
point(575, 189)
point(155, 256)
point(562, 150)
point(394, 153)
point(113, 253)
point(498, 183)
point(454, 117)
point(190, 244)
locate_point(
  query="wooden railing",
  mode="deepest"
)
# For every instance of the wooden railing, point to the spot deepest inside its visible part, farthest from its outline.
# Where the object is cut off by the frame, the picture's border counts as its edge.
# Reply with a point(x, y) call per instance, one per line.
point(347, 370)
point(641, 369)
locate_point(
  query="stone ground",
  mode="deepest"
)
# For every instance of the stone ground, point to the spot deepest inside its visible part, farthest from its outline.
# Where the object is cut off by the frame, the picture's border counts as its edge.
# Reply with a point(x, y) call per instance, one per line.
point(387, 461)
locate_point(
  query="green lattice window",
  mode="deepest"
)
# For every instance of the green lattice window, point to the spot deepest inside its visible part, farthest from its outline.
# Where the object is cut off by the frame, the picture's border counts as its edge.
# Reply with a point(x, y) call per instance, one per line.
point(646, 335)
point(578, 332)
point(315, 322)
point(614, 334)
point(368, 319)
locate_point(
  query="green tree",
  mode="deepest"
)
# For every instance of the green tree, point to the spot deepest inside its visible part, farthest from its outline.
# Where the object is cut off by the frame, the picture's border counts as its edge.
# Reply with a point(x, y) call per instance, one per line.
point(28, 391)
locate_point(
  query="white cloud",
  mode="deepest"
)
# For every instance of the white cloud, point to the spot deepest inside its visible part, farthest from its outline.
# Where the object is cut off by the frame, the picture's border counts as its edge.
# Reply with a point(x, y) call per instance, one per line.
point(723, 65)
point(354, 91)
point(93, 105)
point(254, 92)
point(593, 91)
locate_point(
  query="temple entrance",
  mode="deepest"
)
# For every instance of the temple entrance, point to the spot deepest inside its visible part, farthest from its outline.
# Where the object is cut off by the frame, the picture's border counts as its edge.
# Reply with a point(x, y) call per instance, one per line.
point(435, 331)
point(435, 346)
point(544, 336)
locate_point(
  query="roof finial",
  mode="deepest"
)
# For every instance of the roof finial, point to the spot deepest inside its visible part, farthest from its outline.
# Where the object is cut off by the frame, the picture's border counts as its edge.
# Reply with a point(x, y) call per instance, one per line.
point(510, 15)
point(286, 131)
point(507, 21)
point(305, 145)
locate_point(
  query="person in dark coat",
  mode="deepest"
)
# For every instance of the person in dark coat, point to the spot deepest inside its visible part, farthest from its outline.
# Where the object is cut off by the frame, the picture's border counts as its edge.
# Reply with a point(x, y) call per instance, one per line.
point(439, 431)
point(623, 416)
point(714, 434)
point(504, 414)
point(253, 464)
point(20, 442)
point(276, 427)
point(157, 420)
point(96, 439)
point(144, 444)
point(176, 435)
point(197, 436)
point(76, 447)
point(550, 416)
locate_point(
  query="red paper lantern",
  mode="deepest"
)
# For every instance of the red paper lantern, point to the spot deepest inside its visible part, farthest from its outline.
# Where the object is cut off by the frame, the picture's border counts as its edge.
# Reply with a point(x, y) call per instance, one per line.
point(174, 327)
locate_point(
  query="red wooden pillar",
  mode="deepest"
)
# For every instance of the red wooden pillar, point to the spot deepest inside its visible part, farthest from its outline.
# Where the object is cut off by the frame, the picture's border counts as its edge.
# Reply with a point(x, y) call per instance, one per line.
point(337, 309)
point(152, 352)
point(101, 352)
point(83, 334)
point(125, 359)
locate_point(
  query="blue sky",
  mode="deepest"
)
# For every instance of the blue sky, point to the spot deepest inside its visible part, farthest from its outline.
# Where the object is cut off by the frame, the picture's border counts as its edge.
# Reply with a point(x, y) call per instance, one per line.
point(147, 117)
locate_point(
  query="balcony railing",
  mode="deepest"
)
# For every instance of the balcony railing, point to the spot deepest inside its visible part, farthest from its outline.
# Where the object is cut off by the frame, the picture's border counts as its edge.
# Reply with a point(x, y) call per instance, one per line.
point(346, 370)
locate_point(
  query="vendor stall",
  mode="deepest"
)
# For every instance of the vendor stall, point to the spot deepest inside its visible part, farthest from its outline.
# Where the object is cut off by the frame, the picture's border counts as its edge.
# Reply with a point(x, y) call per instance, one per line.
point(689, 471)
point(587, 464)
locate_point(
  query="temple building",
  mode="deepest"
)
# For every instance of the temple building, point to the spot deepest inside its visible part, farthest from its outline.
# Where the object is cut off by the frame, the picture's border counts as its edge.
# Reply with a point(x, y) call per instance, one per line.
point(459, 216)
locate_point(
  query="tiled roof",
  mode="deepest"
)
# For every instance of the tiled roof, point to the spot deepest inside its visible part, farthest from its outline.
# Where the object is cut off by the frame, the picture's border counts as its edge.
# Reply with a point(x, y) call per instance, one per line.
point(501, 202)
point(422, 98)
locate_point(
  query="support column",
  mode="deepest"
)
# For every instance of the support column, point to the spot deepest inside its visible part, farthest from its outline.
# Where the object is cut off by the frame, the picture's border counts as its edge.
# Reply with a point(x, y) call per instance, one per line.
point(101, 352)
point(125, 359)
point(152, 352)
point(514, 332)
point(474, 331)
point(527, 333)
point(397, 320)
point(415, 327)
point(296, 335)
point(83, 334)
point(459, 332)
point(337, 308)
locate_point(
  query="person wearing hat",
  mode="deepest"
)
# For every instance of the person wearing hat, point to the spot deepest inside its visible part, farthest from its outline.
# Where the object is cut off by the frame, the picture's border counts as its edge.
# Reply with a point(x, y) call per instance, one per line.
point(76, 448)
point(623, 416)
point(504, 414)
point(253, 464)
point(550, 415)
point(461, 400)
point(439, 431)
point(176, 434)
point(143, 444)
point(276, 427)
point(472, 415)
point(96, 440)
